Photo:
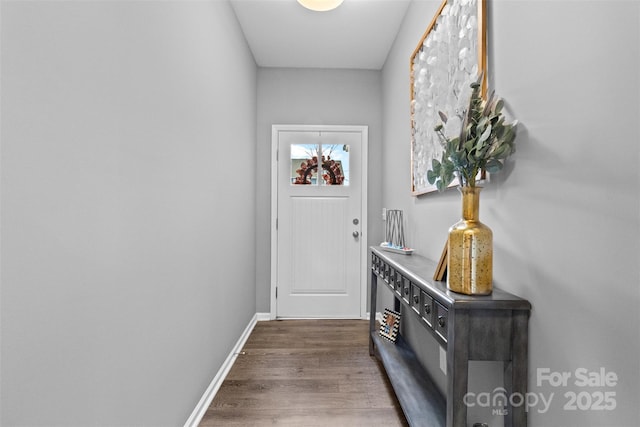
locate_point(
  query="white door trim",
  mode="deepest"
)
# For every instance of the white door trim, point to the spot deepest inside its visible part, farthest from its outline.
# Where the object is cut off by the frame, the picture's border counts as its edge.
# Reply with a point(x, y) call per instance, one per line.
point(364, 249)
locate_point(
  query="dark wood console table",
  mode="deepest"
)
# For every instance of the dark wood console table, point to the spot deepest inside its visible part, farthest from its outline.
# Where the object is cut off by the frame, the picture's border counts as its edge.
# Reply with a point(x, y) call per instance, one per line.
point(493, 327)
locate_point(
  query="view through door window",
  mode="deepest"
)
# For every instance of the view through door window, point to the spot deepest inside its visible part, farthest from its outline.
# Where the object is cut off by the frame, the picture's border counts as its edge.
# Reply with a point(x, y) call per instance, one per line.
point(334, 164)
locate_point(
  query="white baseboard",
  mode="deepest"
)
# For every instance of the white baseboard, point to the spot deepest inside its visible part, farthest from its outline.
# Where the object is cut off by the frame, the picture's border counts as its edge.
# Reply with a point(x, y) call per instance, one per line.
point(263, 317)
point(379, 317)
point(216, 383)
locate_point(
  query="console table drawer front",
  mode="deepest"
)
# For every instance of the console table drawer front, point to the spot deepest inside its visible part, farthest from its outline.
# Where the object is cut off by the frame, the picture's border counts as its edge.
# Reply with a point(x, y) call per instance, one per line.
point(406, 291)
point(397, 283)
point(441, 320)
point(392, 282)
point(415, 298)
point(427, 309)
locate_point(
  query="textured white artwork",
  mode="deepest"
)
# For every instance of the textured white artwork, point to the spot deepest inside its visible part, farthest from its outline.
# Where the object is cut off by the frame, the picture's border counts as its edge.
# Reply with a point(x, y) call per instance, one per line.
point(445, 63)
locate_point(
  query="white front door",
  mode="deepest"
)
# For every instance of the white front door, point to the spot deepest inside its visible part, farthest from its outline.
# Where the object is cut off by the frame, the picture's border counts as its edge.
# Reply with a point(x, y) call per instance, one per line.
point(319, 217)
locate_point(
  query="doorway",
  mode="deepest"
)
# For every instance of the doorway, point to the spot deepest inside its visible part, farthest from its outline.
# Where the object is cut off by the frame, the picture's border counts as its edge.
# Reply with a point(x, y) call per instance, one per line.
point(318, 221)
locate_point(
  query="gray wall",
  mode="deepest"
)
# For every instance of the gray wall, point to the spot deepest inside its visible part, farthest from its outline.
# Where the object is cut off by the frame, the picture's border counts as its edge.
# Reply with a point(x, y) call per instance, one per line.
point(565, 212)
point(312, 96)
point(128, 146)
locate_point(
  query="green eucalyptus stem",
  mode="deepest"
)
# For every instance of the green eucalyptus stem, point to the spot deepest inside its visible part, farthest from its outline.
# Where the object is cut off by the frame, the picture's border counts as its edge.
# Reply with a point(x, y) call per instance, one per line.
point(484, 142)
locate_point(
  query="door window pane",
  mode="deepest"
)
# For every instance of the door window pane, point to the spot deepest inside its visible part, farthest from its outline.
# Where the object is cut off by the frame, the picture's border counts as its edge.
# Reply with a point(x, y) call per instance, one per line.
point(304, 164)
point(335, 164)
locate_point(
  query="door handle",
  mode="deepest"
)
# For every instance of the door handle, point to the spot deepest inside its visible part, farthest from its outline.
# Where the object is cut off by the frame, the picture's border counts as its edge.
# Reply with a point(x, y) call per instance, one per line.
point(355, 234)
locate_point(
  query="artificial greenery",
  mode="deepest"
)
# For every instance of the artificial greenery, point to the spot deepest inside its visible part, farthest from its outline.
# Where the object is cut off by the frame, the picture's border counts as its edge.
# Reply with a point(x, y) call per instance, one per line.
point(485, 141)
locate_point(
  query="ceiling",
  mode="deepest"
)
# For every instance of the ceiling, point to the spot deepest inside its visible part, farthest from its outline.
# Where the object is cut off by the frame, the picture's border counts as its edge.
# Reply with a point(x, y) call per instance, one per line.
point(358, 34)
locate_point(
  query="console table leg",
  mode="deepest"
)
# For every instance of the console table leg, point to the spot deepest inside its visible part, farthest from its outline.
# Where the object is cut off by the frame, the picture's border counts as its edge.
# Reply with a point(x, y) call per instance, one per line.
point(457, 368)
point(516, 371)
point(372, 310)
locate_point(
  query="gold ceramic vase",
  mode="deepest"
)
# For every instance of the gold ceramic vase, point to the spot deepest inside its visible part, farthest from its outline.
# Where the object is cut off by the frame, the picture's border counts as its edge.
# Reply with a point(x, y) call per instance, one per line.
point(470, 249)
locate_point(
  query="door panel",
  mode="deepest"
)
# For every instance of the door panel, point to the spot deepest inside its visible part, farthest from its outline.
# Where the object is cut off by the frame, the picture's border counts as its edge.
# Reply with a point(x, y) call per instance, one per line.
point(319, 193)
point(314, 235)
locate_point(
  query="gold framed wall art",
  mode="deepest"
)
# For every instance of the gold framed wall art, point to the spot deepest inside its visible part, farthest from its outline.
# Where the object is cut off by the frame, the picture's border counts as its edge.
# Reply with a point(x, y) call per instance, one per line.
point(449, 57)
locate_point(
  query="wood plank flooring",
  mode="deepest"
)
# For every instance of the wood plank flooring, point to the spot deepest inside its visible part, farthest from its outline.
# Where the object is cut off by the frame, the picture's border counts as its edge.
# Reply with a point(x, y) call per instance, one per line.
point(306, 373)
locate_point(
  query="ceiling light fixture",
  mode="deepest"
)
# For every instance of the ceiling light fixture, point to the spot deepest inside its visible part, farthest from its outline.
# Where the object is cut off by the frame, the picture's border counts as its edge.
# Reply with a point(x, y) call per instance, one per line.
point(320, 5)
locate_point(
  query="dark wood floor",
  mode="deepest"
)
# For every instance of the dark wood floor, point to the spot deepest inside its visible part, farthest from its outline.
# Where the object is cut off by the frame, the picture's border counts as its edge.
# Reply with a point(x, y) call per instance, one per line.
point(306, 373)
